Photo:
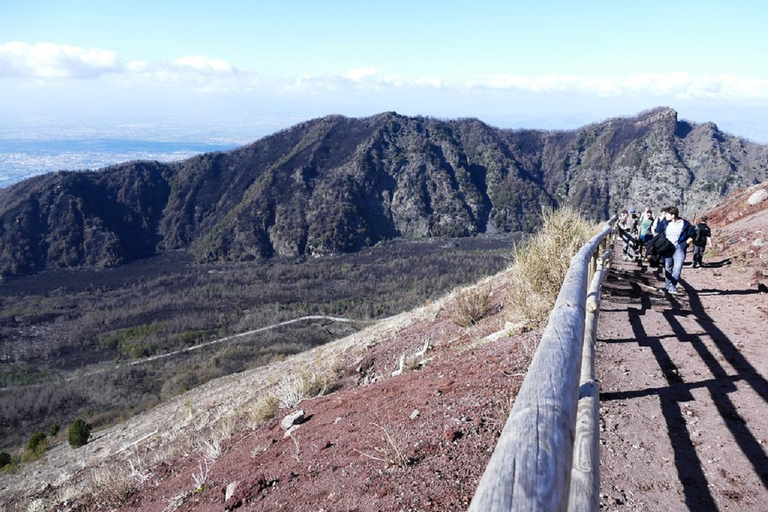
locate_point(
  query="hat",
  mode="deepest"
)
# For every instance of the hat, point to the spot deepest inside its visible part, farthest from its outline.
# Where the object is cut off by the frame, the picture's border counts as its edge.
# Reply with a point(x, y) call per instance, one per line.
point(632, 210)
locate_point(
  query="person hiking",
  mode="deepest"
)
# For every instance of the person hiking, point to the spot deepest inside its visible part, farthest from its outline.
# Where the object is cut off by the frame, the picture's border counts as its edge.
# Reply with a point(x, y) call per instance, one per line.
point(644, 233)
point(700, 241)
point(679, 232)
point(628, 235)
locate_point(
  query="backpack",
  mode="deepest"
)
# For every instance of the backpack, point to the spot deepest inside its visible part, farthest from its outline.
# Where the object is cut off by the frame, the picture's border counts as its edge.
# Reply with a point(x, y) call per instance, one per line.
point(659, 246)
point(702, 232)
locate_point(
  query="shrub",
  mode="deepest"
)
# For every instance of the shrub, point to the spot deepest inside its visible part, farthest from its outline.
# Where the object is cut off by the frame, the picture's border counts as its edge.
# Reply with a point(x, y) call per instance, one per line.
point(264, 410)
point(540, 265)
point(471, 305)
point(113, 483)
point(295, 387)
point(79, 432)
point(53, 430)
point(35, 442)
point(5, 459)
point(36, 446)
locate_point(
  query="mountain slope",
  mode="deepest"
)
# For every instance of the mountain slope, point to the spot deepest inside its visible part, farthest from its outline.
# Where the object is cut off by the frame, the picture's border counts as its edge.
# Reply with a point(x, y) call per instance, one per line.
point(336, 184)
point(443, 416)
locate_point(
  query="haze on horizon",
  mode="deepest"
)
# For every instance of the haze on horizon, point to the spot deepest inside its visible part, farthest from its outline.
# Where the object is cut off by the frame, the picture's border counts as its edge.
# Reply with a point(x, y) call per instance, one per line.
point(234, 71)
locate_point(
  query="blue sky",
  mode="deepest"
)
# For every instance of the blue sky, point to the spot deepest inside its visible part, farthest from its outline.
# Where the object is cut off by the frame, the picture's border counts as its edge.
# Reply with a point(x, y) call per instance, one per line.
point(238, 70)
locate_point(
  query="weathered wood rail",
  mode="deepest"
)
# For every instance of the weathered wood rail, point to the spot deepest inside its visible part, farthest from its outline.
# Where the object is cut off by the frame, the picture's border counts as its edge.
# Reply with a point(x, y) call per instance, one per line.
point(546, 458)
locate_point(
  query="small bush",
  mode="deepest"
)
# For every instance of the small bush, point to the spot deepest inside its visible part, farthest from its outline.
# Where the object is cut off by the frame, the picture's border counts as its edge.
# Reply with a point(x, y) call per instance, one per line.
point(79, 432)
point(53, 430)
point(36, 446)
point(264, 410)
point(113, 484)
point(35, 442)
point(295, 387)
point(471, 305)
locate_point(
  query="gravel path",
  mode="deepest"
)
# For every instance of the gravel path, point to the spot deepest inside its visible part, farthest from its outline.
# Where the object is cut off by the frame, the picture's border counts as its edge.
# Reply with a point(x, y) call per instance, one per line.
point(684, 391)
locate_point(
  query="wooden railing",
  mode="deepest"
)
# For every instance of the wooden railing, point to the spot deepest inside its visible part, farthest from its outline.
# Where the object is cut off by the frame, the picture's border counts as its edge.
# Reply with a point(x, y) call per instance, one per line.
point(546, 458)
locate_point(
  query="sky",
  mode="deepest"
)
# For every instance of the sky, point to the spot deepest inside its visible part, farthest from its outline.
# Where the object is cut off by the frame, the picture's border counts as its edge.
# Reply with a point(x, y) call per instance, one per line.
point(238, 70)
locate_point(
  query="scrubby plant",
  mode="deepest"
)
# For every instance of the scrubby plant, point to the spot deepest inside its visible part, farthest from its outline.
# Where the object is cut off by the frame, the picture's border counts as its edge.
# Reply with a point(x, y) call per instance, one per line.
point(79, 433)
point(113, 484)
point(471, 305)
point(36, 442)
point(392, 453)
point(541, 262)
point(264, 409)
point(53, 430)
point(295, 387)
point(36, 446)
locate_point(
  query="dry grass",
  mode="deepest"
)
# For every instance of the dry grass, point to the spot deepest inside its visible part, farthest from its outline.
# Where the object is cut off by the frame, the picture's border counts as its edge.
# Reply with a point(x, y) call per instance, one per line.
point(470, 305)
point(113, 483)
point(391, 453)
point(541, 262)
point(294, 388)
point(264, 409)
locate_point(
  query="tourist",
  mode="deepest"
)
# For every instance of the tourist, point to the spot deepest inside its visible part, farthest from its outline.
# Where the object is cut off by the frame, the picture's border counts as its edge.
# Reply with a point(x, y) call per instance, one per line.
point(680, 233)
point(700, 241)
point(644, 233)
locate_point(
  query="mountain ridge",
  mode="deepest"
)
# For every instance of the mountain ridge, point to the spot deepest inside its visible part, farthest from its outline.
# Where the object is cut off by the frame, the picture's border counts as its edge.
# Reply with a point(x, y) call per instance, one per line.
point(337, 184)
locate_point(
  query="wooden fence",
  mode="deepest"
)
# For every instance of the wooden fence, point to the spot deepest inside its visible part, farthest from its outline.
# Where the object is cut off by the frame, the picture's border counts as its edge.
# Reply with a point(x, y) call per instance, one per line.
point(547, 456)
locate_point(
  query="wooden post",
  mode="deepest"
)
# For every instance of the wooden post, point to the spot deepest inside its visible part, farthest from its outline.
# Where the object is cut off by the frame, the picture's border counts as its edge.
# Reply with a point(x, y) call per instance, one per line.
point(530, 469)
point(585, 475)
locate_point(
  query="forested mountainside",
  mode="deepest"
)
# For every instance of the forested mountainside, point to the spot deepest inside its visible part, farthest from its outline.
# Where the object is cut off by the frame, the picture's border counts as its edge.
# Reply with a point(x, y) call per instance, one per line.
point(337, 184)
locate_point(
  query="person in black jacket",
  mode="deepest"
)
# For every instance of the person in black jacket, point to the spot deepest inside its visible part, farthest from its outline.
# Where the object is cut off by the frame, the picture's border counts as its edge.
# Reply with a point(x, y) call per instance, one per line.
point(680, 232)
point(700, 241)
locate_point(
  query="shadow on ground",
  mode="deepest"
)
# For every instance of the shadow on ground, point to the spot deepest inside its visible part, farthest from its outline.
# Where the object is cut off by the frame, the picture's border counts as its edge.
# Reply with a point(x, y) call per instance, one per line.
point(635, 289)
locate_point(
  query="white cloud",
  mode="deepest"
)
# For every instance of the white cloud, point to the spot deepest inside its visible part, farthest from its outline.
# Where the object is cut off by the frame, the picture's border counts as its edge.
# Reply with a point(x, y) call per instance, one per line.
point(36, 67)
point(206, 65)
point(47, 60)
point(359, 74)
point(674, 85)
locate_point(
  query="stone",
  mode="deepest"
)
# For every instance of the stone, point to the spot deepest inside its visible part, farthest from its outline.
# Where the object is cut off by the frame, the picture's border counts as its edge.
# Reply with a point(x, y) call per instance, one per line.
point(758, 196)
point(230, 490)
point(292, 419)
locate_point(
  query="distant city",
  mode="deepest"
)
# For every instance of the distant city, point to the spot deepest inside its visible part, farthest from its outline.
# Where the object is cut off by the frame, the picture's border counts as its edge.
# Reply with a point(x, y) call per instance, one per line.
point(21, 159)
point(31, 146)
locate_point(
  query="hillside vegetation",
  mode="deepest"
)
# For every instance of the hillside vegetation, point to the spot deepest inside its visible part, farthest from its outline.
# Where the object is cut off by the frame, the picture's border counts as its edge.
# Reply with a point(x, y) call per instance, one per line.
point(82, 342)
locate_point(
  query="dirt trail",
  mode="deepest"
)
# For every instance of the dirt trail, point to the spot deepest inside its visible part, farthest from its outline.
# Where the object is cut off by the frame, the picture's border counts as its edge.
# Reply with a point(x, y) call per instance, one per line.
point(684, 391)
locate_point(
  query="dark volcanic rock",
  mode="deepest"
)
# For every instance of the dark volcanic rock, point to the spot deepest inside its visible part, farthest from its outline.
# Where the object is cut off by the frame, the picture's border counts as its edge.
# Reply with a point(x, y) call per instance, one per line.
point(337, 184)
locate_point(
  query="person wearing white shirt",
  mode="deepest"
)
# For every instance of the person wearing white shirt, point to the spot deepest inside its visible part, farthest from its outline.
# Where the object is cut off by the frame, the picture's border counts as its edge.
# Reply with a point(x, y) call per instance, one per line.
point(680, 232)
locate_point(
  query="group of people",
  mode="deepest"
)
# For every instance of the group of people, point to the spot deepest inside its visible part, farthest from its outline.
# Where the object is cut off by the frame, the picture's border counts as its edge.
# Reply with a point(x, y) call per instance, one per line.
point(664, 239)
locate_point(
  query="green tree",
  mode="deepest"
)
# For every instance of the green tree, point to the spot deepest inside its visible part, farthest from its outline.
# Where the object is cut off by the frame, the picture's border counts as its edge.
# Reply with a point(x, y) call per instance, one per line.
point(79, 432)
